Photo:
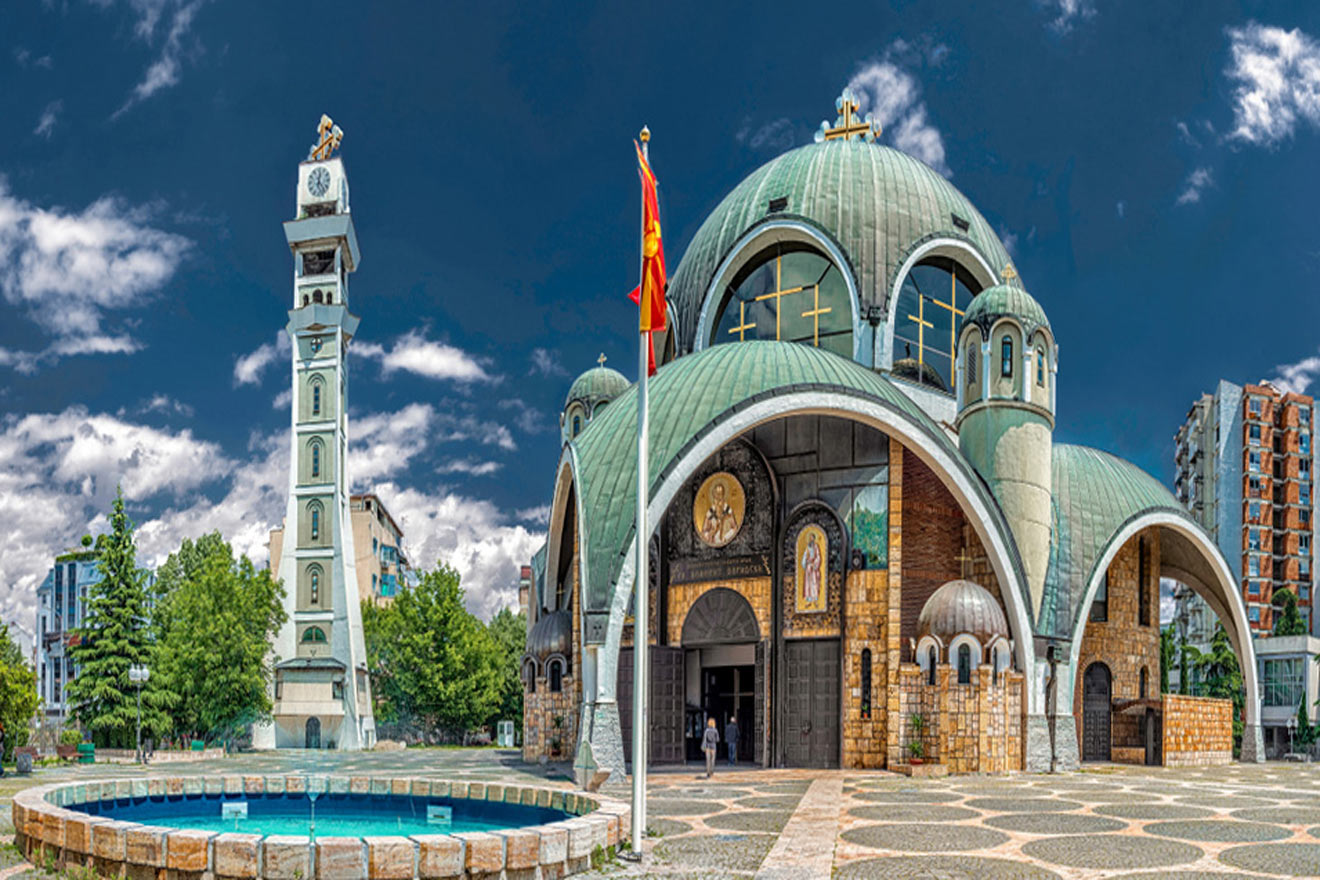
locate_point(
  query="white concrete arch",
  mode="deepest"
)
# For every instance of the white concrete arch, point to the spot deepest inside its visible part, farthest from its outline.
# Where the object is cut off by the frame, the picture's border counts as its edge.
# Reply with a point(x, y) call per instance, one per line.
point(565, 481)
point(1221, 592)
point(960, 482)
point(963, 252)
point(977, 652)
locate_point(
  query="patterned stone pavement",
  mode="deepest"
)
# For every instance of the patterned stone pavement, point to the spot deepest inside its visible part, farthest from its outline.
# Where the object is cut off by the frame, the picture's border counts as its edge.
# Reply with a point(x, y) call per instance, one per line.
point(1107, 821)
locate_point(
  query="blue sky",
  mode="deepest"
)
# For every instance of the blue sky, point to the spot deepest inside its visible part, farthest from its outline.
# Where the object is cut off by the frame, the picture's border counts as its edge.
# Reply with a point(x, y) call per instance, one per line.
point(1151, 169)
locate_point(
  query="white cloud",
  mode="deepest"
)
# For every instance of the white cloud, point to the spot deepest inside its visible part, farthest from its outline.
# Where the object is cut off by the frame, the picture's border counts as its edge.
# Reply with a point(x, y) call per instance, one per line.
point(1297, 377)
point(1068, 12)
point(892, 97)
point(282, 400)
point(163, 403)
point(166, 70)
point(49, 116)
point(774, 136)
point(1120, 208)
point(472, 535)
point(1197, 181)
point(1010, 242)
point(537, 516)
point(66, 270)
point(249, 367)
point(1277, 82)
point(469, 466)
point(414, 353)
point(546, 363)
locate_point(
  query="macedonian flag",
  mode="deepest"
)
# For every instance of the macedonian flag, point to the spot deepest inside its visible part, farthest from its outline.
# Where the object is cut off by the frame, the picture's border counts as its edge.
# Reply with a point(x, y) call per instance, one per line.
point(651, 292)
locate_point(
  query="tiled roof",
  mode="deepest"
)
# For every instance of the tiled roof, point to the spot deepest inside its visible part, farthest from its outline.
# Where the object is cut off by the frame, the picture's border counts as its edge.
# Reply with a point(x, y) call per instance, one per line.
point(1006, 300)
point(595, 385)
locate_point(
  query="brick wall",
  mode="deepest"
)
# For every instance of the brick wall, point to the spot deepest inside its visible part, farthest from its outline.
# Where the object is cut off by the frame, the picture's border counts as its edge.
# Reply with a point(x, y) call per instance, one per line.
point(932, 540)
point(865, 615)
point(1198, 731)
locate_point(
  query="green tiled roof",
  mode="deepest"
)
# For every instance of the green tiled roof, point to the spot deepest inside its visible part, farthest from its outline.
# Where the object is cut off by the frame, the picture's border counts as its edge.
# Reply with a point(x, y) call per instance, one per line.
point(876, 203)
point(597, 384)
point(1095, 495)
point(1006, 300)
point(688, 398)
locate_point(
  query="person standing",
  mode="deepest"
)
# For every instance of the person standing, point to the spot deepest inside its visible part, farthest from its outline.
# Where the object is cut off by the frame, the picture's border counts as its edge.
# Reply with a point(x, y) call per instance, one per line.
point(710, 743)
point(731, 739)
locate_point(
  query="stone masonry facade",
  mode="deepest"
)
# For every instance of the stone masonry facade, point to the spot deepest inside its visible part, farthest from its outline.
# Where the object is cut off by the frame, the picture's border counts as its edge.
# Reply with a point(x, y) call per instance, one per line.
point(1198, 731)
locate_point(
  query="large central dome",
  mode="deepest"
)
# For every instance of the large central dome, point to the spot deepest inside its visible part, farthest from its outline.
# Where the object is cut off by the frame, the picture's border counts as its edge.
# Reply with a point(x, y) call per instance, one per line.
point(875, 205)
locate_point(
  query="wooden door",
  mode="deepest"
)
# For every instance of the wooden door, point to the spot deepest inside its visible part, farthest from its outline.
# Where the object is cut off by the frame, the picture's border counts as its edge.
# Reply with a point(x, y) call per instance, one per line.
point(811, 703)
point(668, 693)
point(1096, 708)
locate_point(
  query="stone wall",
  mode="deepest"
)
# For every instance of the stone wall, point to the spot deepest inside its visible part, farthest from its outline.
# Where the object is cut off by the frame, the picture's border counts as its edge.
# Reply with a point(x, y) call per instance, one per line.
point(1198, 731)
point(970, 728)
point(683, 596)
point(866, 603)
point(540, 709)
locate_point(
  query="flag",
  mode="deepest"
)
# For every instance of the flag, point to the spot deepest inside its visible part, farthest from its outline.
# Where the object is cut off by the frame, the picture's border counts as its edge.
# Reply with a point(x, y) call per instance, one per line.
point(651, 292)
point(636, 297)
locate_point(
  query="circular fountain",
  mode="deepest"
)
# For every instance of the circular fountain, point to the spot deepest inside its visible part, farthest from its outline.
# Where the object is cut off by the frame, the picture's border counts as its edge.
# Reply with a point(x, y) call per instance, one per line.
point(302, 826)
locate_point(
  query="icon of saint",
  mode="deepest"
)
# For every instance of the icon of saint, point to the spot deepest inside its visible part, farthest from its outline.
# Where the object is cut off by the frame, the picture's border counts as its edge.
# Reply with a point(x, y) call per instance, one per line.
point(811, 566)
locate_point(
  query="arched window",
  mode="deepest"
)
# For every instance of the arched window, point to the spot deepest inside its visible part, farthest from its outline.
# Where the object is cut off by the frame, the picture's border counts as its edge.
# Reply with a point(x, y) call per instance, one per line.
point(316, 398)
point(964, 664)
point(314, 581)
point(577, 425)
point(529, 675)
point(313, 635)
point(316, 522)
point(316, 295)
point(970, 365)
point(928, 314)
point(556, 676)
point(789, 292)
point(316, 460)
point(306, 299)
point(1040, 365)
point(329, 297)
point(1145, 684)
point(1006, 357)
point(930, 667)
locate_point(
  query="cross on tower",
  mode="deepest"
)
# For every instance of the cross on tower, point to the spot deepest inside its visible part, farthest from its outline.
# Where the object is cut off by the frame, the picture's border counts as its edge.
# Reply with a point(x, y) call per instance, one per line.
point(963, 559)
point(601, 360)
point(329, 137)
point(847, 126)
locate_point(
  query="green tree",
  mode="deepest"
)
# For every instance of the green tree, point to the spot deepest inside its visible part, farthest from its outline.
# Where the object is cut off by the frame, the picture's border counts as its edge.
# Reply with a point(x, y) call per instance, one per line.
point(18, 693)
point(215, 618)
point(1288, 620)
point(1305, 734)
point(1222, 677)
point(114, 636)
point(1168, 648)
point(377, 621)
point(508, 632)
point(431, 659)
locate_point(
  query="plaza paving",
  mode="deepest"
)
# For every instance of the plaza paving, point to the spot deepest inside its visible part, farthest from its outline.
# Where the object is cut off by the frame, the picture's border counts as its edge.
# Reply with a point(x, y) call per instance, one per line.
point(1109, 821)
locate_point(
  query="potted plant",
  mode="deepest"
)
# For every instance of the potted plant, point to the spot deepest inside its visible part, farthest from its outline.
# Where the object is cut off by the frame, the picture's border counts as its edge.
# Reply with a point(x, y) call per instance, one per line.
point(916, 747)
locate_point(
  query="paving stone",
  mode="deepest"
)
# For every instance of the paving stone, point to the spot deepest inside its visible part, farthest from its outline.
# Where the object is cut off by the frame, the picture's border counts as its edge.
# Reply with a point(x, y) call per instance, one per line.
point(668, 827)
point(1223, 802)
point(1154, 811)
point(1279, 815)
point(769, 802)
point(1111, 851)
point(1183, 875)
point(907, 813)
point(908, 796)
point(916, 837)
point(717, 852)
point(676, 807)
point(1285, 859)
point(1218, 831)
point(1023, 805)
point(750, 820)
point(1055, 823)
point(942, 867)
point(711, 793)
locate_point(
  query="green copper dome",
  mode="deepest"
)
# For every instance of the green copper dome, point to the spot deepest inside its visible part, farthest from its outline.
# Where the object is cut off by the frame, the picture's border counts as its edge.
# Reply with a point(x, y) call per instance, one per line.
point(875, 203)
point(595, 385)
point(1006, 301)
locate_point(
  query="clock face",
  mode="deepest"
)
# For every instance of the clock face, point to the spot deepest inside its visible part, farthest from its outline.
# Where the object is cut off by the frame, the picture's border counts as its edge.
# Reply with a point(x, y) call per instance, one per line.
point(318, 181)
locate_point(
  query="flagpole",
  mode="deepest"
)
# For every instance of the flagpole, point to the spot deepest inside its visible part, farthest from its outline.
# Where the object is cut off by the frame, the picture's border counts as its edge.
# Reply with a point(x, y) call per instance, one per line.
point(641, 578)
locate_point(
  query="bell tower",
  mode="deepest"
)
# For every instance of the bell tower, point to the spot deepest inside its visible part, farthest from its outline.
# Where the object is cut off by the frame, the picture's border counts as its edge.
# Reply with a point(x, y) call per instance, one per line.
point(322, 693)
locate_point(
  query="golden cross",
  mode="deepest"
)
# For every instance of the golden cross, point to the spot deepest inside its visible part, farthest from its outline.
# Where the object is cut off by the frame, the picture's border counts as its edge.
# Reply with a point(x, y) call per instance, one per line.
point(1009, 274)
point(922, 324)
point(601, 360)
point(963, 558)
point(330, 136)
point(778, 292)
point(743, 326)
point(814, 313)
point(845, 127)
point(952, 306)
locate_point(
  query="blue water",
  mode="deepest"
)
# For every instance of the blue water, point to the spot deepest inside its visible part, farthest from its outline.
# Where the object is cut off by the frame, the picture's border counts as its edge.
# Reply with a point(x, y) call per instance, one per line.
point(338, 815)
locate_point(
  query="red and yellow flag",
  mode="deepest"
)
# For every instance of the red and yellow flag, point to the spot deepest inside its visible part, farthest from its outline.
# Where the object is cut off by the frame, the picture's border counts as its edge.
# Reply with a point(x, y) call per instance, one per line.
point(651, 292)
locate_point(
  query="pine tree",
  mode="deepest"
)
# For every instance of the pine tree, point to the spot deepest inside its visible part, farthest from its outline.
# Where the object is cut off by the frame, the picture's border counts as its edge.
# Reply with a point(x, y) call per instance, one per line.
point(114, 636)
point(1289, 621)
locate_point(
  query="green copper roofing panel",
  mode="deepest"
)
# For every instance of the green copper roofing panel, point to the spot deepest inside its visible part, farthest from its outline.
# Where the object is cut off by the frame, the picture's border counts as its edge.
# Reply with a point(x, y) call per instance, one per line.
point(1095, 495)
point(688, 397)
point(876, 203)
point(596, 384)
point(1006, 300)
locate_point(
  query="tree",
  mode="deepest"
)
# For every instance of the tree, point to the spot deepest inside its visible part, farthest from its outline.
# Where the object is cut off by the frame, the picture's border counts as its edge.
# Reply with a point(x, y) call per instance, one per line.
point(508, 632)
point(1168, 647)
point(1222, 676)
point(114, 636)
point(18, 693)
point(1305, 734)
point(215, 618)
point(1288, 621)
point(431, 659)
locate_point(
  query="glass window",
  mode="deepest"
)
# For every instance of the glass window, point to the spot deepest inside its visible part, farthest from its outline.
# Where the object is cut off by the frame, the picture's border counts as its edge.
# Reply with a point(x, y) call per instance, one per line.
point(314, 635)
point(972, 368)
point(1253, 539)
point(316, 523)
point(577, 426)
point(1100, 605)
point(1305, 442)
point(792, 293)
point(1253, 406)
point(1304, 567)
point(1304, 467)
point(1306, 517)
point(556, 676)
point(1253, 614)
point(1304, 543)
point(1253, 566)
point(1253, 588)
point(1040, 366)
point(1283, 681)
point(930, 666)
point(316, 586)
point(1145, 684)
point(1255, 487)
point(316, 460)
point(1253, 431)
point(337, 690)
point(1304, 415)
point(316, 399)
point(1255, 511)
point(1304, 493)
point(1254, 458)
point(1006, 356)
point(928, 314)
point(964, 664)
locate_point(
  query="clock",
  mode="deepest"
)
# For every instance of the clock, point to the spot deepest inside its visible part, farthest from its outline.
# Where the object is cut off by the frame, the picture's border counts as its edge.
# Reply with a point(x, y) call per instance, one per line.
point(318, 181)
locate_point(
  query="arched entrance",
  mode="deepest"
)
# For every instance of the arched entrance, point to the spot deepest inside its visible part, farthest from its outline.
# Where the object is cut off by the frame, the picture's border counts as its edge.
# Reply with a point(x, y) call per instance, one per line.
point(722, 648)
point(313, 736)
point(1097, 690)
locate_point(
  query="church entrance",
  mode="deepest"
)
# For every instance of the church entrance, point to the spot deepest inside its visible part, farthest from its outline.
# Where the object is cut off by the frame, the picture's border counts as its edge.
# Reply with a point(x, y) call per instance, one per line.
point(811, 703)
point(726, 691)
point(1096, 710)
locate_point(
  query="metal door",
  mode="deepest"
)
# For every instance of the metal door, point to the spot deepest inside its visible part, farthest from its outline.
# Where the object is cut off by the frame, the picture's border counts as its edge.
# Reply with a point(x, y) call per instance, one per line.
point(1096, 710)
point(811, 703)
point(758, 704)
point(668, 689)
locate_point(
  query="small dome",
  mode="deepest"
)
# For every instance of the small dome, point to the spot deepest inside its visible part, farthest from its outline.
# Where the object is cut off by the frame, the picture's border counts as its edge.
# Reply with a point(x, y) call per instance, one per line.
point(596, 385)
point(922, 374)
point(961, 607)
point(552, 634)
point(1006, 301)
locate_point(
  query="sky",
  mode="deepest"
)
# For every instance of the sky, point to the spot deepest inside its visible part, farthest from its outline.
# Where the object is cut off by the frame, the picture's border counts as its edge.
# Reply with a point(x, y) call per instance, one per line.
point(1150, 166)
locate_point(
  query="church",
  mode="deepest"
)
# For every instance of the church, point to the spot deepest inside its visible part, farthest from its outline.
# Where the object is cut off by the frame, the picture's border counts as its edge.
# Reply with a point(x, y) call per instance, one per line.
point(865, 545)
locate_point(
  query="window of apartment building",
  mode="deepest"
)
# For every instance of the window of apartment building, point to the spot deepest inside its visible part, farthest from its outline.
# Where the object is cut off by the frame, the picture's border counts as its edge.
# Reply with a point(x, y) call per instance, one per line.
point(1253, 405)
point(1255, 487)
point(1253, 566)
point(1253, 588)
point(1254, 461)
point(1303, 593)
point(1253, 539)
point(1304, 567)
point(1304, 468)
point(1254, 511)
point(1304, 543)
point(1306, 517)
point(1304, 493)
point(1283, 680)
point(1304, 415)
point(1253, 614)
point(1253, 431)
point(1304, 441)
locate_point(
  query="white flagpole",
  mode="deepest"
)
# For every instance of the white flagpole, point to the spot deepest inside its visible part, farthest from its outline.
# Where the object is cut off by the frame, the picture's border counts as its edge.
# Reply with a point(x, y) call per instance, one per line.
point(642, 578)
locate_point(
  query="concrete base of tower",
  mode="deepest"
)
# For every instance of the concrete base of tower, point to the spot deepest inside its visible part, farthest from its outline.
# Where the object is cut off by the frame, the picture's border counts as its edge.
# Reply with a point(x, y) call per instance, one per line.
point(602, 729)
point(1046, 754)
point(1253, 744)
point(263, 735)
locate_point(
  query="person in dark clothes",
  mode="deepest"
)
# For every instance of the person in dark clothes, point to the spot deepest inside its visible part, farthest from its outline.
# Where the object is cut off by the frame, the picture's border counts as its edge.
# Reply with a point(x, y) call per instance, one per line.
point(710, 743)
point(731, 739)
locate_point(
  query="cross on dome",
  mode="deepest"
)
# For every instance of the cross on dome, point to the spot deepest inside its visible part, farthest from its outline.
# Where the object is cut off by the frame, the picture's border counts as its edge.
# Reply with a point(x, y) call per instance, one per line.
point(601, 360)
point(847, 124)
point(1009, 274)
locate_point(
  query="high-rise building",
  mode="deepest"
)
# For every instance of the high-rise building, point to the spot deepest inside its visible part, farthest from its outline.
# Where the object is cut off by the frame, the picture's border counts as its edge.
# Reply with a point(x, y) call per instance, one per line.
point(322, 691)
point(61, 607)
point(1243, 464)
